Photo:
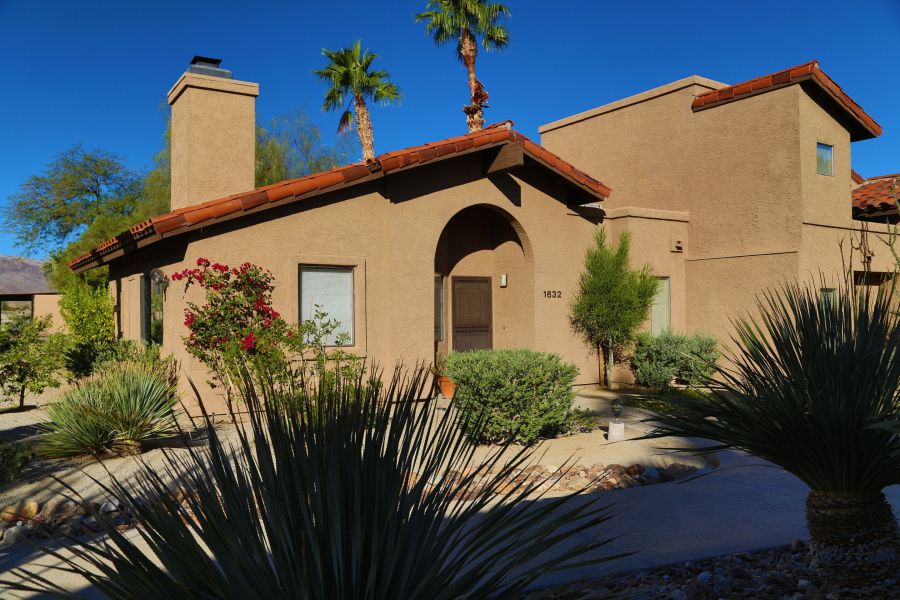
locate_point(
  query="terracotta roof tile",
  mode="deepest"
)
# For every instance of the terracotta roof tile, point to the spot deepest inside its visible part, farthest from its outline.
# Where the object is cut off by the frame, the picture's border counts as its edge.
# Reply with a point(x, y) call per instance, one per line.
point(877, 195)
point(189, 217)
point(806, 72)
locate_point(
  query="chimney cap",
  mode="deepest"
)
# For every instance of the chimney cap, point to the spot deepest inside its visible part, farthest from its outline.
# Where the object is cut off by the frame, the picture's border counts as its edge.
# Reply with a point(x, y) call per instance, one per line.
point(204, 65)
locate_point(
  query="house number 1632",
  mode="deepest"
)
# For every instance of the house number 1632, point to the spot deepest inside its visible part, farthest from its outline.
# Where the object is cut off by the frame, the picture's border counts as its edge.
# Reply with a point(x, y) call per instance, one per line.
point(552, 294)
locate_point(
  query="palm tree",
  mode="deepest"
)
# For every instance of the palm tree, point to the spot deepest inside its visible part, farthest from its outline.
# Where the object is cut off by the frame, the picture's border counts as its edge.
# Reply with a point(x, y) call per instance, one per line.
point(463, 21)
point(812, 387)
point(347, 72)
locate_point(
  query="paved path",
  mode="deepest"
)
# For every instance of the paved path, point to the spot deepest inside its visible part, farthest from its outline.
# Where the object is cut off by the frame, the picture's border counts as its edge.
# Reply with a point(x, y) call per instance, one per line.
point(741, 506)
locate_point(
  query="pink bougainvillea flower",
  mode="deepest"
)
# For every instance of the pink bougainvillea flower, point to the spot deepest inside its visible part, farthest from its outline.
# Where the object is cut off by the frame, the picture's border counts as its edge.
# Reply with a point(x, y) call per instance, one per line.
point(248, 342)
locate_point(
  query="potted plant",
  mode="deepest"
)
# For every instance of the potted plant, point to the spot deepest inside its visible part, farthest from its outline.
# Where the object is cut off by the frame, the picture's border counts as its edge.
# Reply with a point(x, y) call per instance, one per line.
point(439, 369)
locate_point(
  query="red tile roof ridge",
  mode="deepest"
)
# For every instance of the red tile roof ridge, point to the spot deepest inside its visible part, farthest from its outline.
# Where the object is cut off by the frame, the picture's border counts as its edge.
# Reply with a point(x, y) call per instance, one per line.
point(808, 71)
point(195, 215)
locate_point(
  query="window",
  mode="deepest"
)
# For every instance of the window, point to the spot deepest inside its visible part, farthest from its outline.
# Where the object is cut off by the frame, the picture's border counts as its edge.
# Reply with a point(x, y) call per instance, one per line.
point(153, 289)
point(11, 310)
point(329, 289)
point(824, 159)
point(828, 296)
point(660, 311)
point(439, 308)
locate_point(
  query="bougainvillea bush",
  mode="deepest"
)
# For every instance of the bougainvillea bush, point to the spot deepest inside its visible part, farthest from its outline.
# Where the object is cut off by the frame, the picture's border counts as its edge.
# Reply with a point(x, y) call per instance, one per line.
point(237, 327)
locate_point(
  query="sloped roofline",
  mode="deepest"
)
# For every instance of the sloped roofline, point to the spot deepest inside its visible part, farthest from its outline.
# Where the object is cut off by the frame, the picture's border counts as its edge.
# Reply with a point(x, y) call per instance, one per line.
point(208, 213)
point(861, 125)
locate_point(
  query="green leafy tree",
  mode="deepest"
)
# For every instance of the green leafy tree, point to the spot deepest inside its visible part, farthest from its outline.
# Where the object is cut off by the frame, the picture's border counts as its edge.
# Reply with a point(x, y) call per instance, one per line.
point(30, 357)
point(291, 146)
point(76, 189)
point(613, 300)
point(348, 75)
point(465, 21)
point(90, 320)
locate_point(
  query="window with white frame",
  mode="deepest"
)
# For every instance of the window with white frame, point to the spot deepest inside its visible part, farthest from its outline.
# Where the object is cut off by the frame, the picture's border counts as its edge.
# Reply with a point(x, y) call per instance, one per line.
point(824, 159)
point(329, 289)
point(661, 310)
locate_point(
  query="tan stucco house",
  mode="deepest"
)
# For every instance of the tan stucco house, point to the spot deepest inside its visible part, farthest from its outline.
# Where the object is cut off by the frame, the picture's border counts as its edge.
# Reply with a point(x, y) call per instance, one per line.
point(25, 291)
point(477, 241)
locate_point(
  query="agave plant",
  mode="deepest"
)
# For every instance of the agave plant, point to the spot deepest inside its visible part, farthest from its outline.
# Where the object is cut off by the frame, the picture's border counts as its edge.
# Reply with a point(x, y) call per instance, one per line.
point(338, 490)
point(810, 387)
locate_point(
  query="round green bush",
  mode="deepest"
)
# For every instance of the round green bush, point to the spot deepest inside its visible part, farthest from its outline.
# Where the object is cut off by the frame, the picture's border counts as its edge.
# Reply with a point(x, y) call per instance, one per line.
point(659, 360)
point(517, 395)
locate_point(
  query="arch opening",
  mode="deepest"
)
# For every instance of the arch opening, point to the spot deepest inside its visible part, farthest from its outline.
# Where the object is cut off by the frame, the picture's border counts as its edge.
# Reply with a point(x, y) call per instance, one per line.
point(484, 283)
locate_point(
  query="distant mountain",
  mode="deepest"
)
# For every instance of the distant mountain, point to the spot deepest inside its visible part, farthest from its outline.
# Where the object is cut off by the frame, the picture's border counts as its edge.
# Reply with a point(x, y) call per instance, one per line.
point(22, 276)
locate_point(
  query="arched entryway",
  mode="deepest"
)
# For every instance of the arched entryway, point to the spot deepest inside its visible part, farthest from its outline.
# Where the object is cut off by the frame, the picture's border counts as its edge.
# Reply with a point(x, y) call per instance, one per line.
point(484, 283)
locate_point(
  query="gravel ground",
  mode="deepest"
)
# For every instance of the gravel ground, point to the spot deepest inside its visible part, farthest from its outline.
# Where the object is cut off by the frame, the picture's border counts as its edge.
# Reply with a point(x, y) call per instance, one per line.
point(778, 574)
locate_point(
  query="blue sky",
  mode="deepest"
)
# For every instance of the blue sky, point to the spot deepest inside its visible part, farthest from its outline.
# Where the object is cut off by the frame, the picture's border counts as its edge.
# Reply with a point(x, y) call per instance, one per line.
point(96, 73)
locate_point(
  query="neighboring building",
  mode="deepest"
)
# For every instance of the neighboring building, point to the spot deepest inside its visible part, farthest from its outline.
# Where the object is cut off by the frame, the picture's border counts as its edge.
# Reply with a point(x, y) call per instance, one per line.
point(478, 241)
point(25, 291)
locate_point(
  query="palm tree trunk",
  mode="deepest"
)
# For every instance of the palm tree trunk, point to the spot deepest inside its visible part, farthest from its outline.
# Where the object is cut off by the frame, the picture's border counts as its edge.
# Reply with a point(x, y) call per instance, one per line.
point(364, 128)
point(854, 540)
point(468, 51)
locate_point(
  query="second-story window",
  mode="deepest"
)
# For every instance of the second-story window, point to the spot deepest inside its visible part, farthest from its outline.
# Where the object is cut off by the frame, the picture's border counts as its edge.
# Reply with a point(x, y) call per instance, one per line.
point(824, 159)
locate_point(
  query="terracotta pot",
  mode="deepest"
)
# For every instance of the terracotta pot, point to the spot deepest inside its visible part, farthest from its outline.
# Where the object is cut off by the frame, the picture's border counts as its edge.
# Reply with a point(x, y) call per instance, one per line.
point(448, 387)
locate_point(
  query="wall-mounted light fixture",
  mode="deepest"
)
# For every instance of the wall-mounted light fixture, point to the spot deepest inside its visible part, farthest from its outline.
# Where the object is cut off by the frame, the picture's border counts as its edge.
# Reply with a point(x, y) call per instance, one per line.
point(503, 280)
point(159, 279)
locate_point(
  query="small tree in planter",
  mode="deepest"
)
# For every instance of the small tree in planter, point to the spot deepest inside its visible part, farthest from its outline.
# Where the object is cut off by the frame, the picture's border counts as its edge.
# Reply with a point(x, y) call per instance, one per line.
point(30, 358)
point(613, 300)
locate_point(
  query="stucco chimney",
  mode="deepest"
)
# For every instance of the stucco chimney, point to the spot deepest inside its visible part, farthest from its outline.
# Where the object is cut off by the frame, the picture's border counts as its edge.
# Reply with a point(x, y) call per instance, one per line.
point(213, 133)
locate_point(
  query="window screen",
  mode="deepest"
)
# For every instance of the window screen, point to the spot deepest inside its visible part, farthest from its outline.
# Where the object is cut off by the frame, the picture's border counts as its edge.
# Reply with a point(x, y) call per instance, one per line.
point(660, 311)
point(329, 289)
point(824, 159)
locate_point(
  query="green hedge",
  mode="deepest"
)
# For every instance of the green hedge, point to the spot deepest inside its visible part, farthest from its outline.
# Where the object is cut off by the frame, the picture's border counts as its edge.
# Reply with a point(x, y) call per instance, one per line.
point(512, 394)
point(659, 360)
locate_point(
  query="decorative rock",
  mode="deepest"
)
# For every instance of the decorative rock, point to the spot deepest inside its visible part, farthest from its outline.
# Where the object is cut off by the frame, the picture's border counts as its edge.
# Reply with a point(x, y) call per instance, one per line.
point(14, 534)
point(635, 469)
point(23, 510)
point(704, 578)
point(56, 511)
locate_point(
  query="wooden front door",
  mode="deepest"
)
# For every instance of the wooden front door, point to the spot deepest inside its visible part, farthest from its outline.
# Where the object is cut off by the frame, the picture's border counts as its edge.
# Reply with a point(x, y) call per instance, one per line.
point(471, 313)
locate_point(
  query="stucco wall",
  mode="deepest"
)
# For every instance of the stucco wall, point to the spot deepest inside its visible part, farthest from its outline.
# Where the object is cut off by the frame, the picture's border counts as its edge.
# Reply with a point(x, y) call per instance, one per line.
point(48, 305)
point(390, 231)
point(744, 172)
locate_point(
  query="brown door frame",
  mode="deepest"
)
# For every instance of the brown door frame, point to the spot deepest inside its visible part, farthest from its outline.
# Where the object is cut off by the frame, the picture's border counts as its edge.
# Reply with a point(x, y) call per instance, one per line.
point(453, 280)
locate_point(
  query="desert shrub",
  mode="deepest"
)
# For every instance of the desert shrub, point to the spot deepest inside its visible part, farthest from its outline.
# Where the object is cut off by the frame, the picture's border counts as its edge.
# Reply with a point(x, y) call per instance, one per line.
point(113, 411)
point(90, 322)
point(29, 357)
point(13, 458)
point(659, 360)
point(512, 394)
point(356, 493)
point(812, 387)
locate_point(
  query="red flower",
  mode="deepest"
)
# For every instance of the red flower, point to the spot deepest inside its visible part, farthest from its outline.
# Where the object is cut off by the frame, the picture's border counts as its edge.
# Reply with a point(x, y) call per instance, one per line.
point(267, 323)
point(274, 314)
point(248, 342)
point(189, 320)
point(202, 262)
point(220, 268)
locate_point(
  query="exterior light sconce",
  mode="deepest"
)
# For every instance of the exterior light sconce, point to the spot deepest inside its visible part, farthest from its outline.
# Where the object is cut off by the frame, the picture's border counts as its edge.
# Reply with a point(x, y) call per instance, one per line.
point(504, 281)
point(159, 279)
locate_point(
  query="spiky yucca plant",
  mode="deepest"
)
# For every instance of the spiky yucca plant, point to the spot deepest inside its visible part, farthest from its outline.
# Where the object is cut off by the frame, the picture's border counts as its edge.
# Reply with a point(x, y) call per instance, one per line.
point(113, 411)
point(339, 491)
point(809, 386)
